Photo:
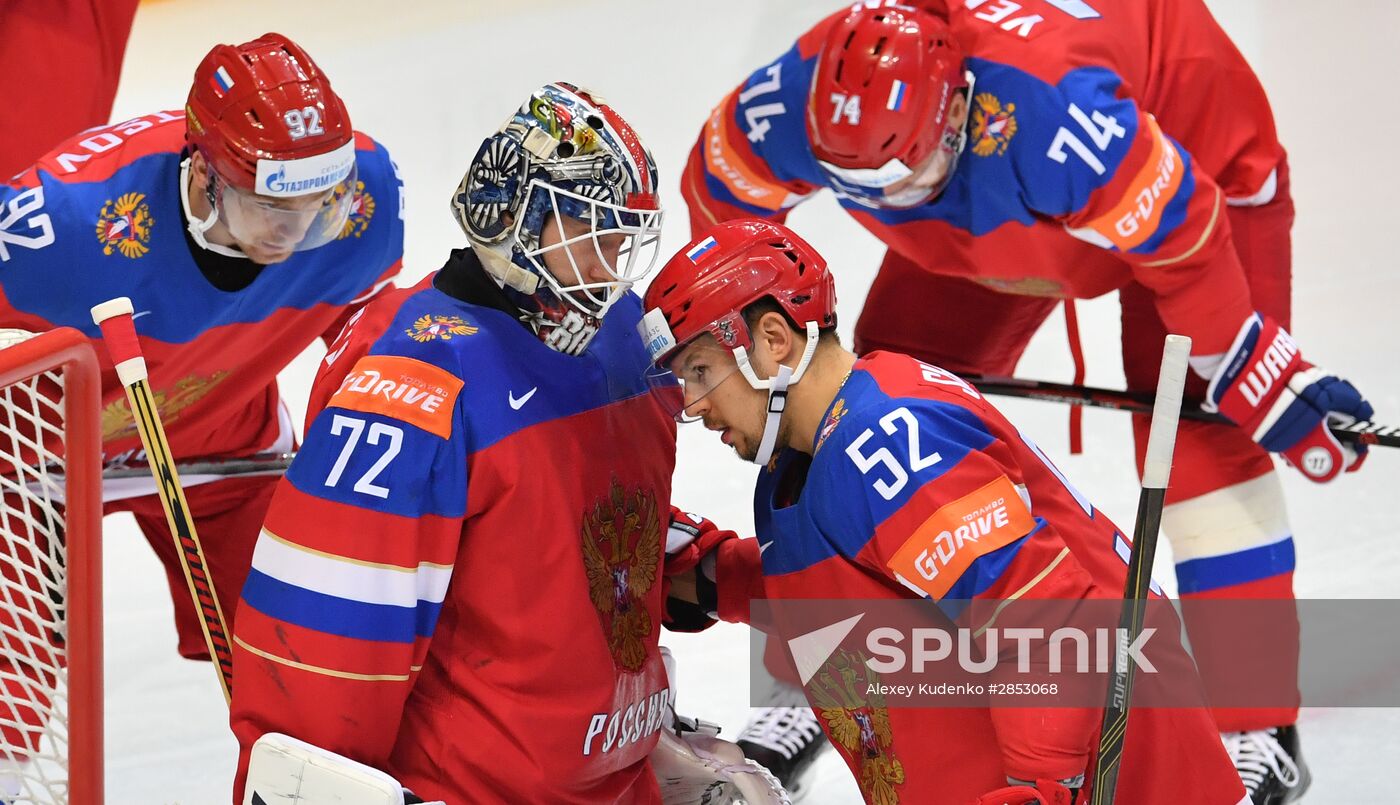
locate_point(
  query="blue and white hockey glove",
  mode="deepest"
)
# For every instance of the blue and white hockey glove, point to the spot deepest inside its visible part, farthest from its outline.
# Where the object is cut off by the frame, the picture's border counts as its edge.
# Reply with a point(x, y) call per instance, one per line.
point(1285, 403)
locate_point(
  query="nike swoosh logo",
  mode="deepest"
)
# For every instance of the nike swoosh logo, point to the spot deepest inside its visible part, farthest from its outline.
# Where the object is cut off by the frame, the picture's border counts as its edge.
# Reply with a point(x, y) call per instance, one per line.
point(516, 403)
point(764, 547)
point(136, 316)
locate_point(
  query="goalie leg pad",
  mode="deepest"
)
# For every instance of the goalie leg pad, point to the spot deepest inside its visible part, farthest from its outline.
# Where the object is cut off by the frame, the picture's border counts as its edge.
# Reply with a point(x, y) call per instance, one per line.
point(283, 770)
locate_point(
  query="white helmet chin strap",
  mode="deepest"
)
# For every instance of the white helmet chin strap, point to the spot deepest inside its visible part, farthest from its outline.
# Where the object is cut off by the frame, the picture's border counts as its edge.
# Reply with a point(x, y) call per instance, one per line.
point(777, 387)
point(777, 402)
point(197, 227)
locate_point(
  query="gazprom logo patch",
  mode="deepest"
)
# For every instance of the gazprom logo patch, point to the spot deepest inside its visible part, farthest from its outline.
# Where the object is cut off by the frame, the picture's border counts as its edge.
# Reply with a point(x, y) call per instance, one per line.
point(298, 177)
point(700, 249)
point(656, 333)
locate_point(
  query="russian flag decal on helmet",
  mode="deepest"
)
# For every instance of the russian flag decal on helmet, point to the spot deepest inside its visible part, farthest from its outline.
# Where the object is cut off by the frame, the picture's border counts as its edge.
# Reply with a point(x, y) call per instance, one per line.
point(223, 82)
point(898, 91)
point(695, 252)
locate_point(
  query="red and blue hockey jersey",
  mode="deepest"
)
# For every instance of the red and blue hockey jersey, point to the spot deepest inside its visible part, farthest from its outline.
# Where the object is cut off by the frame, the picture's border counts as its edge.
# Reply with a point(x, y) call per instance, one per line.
point(459, 578)
point(1104, 142)
point(100, 217)
point(907, 456)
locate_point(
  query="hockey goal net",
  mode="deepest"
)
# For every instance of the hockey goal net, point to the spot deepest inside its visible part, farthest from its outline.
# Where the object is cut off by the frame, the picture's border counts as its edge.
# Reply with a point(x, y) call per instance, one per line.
point(50, 569)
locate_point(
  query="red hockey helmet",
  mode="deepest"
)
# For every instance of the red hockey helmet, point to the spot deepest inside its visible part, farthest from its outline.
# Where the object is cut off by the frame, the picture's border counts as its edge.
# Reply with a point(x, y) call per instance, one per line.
point(705, 287)
point(280, 149)
point(266, 119)
point(884, 82)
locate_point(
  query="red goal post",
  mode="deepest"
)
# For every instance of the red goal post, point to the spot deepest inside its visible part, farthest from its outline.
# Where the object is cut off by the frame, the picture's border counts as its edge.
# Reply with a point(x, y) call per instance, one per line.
point(51, 569)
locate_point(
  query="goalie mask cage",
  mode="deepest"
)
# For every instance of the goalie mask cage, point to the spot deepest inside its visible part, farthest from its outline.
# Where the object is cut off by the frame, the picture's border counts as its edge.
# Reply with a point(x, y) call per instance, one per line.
point(50, 570)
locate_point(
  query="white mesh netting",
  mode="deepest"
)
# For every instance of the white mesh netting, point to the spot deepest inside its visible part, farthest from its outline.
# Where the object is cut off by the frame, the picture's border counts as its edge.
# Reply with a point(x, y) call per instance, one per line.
point(33, 587)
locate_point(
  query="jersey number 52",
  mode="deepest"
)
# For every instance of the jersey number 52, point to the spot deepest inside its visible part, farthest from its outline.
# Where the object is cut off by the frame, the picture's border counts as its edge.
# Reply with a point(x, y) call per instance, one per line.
point(890, 423)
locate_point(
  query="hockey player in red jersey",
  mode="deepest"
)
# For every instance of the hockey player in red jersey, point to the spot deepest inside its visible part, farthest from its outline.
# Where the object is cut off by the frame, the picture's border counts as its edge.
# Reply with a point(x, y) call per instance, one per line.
point(860, 456)
point(243, 229)
point(459, 582)
point(60, 64)
point(1011, 157)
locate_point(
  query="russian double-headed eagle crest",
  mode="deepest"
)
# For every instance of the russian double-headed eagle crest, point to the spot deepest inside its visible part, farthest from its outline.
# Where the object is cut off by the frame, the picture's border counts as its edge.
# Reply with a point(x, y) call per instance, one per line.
point(118, 423)
point(125, 225)
point(361, 211)
point(833, 419)
point(859, 722)
point(429, 326)
point(993, 125)
point(622, 556)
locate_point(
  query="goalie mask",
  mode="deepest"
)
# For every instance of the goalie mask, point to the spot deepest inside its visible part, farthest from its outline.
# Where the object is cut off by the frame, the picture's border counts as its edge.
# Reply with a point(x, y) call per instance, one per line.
point(561, 206)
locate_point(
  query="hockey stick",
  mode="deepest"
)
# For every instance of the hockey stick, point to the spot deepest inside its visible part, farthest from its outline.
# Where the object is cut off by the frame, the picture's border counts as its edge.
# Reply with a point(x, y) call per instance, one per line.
point(257, 464)
point(119, 334)
point(1157, 468)
point(1360, 432)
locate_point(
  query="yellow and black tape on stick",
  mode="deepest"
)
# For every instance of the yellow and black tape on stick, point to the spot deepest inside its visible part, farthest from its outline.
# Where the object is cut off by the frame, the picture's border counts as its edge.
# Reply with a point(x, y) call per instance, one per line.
point(119, 335)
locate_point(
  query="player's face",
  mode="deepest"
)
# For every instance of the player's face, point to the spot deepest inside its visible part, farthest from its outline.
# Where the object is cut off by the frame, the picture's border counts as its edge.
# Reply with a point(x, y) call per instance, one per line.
point(930, 174)
point(269, 229)
point(717, 393)
point(582, 260)
point(266, 229)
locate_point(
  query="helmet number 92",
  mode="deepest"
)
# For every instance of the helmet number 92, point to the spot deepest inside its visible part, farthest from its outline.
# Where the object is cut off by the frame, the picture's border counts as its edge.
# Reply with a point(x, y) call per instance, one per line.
point(918, 462)
point(303, 122)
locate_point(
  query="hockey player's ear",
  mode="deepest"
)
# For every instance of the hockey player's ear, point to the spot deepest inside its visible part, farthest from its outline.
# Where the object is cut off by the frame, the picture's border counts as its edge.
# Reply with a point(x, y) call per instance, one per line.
point(775, 340)
point(199, 169)
point(957, 110)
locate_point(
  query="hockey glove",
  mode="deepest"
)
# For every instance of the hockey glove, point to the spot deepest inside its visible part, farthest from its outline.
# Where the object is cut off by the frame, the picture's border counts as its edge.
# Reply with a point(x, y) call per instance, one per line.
point(694, 766)
point(698, 553)
point(1285, 403)
point(1044, 792)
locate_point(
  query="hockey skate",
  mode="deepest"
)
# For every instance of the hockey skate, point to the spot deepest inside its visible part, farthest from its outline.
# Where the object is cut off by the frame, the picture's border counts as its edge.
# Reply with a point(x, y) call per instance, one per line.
point(786, 739)
point(1270, 764)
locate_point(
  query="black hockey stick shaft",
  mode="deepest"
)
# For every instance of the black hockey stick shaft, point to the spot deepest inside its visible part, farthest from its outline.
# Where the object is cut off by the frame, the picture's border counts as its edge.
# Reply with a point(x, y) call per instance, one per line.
point(1360, 432)
point(258, 464)
point(1161, 444)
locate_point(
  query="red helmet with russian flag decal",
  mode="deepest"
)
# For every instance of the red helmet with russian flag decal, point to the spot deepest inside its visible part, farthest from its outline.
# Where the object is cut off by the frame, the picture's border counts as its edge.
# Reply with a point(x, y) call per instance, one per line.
point(707, 285)
point(275, 150)
point(704, 291)
point(886, 79)
point(258, 109)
